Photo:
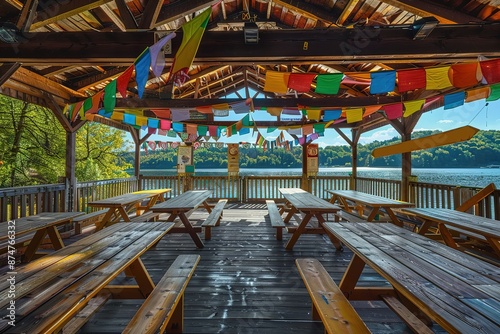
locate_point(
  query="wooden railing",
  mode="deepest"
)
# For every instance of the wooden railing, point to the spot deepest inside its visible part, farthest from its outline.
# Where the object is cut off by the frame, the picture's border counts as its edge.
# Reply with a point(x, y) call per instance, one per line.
point(96, 190)
point(25, 201)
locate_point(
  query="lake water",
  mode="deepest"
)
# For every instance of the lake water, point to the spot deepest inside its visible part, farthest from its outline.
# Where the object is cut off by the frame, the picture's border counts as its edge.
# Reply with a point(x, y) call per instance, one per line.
point(471, 177)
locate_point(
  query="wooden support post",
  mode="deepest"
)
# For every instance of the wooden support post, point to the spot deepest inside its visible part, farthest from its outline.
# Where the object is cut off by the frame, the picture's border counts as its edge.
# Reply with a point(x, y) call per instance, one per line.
point(70, 172)
point(304, 184)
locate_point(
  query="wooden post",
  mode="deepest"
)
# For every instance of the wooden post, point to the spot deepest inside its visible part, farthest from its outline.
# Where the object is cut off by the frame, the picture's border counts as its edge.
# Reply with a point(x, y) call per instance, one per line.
point(405, 170)
point(71, 204)
point(138, 141)
point(304, 184)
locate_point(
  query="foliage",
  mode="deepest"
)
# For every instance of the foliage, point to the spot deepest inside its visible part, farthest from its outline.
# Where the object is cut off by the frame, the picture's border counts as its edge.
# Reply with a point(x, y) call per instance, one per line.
point(33, 149)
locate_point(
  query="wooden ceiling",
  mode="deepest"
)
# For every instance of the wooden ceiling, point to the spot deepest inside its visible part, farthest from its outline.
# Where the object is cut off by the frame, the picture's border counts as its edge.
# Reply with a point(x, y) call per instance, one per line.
point(65, 51)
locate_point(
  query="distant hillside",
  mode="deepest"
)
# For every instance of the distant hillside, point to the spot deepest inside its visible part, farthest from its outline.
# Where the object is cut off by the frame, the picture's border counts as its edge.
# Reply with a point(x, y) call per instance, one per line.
point(482, 150)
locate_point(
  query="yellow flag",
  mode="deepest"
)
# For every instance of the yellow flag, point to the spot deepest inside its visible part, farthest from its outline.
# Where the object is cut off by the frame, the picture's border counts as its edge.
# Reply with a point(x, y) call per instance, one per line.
point(192, 32)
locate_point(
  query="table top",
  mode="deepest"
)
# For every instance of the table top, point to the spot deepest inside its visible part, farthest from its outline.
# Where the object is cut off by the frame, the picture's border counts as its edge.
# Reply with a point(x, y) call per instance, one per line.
point(153, 191)
point(186, 201)
point(485, 226)
point(305, 201)
point(458, 291)
point(64, 282)
point(36, 222)
point(368, 199)
point(122, 200)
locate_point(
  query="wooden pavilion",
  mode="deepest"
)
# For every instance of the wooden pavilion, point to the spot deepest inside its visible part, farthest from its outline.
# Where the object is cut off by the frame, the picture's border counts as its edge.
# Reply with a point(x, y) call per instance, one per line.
point(54, 53)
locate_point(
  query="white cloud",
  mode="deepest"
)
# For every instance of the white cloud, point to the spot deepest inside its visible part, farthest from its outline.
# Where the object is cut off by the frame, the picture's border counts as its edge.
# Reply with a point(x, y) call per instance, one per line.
point(380, 135)
point(445, 121)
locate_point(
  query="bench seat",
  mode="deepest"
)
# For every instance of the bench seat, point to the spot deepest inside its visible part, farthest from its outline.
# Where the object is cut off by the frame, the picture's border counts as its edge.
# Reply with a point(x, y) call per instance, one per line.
point(88, 219)
point(163, 309)
point(328, 302)
point(146, 217)
point(214, 218)
point(343, 215)
point(275, 218)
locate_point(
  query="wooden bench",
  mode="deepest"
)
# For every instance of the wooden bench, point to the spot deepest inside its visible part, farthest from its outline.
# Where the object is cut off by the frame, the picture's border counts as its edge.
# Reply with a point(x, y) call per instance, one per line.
point(163, 309)
point(146, 217)
point(275, 218)
point(328, 302)
point(343, 215)
point(88, 219)
point(214, 218)
point(52, 290)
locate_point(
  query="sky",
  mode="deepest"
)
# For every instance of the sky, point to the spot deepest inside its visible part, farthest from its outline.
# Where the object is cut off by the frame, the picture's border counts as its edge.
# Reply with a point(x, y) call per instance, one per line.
point(479, 114)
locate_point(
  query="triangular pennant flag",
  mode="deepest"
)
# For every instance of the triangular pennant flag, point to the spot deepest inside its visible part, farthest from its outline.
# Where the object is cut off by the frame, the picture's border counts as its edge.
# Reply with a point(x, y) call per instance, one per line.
point(328, 83)
point(411, 79)
point(142, 65)
point(96, 102)
point(110, 96)
point(371, 110)
point(301, 82)
point(276, 82)
point(76, 110)
point(382, 82)
point(123, 80)
point(454, 100)
point(437, 77)
point(192, 33)
point(412, 107)
point(158, 56)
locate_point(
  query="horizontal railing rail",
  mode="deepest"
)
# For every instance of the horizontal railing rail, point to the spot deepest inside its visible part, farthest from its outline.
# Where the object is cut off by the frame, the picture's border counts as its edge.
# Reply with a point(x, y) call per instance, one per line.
point(19, 202)
point(24, 201)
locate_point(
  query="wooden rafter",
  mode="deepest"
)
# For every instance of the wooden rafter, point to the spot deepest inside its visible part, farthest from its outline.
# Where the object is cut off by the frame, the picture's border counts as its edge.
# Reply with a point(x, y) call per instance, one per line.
point(307, 10)
point(180, 9)
point(113, 17)
point(126, 15)
point(7, 70)
point(150, 14)
point(27, 15)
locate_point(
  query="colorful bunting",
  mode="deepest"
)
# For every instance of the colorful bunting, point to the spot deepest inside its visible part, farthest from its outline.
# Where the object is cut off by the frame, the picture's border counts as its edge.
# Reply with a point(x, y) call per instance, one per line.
point(142, 65)
point(494, 93)
point(412, 107)
point(157, 54)
point(301, 82)
point(437, 78)
point(382, 82)
point(491, 70)
point(192, 33)
point(331, 115)
point(477, 94)
point(464, 75)
point(110, 96)
point(328, 83)
point(411, 79)
point(123, 80)
point(276, 82)
point(392, 111)
point(454, 100)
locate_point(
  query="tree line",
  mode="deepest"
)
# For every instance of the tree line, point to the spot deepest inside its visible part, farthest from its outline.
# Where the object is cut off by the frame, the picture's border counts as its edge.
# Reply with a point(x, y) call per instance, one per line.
point(482, 150)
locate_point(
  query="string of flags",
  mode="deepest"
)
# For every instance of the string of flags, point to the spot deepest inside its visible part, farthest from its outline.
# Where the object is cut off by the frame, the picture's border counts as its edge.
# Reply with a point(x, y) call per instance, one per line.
point(483, 78)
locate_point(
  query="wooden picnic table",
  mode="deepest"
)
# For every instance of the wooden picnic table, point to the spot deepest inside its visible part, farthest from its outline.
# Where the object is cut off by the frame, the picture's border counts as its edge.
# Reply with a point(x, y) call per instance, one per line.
point(445, 219)
point(299, 200)
point(161, 198)
point(181, 206)
point(50, 291)
point(457, 291)
point(374, 202)
point(120, 206)
point(42, 224)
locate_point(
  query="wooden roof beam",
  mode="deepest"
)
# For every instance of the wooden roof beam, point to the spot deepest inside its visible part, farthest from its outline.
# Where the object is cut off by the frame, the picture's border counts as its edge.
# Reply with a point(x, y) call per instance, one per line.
point(330, 46)
point(27, 15)
point(126, 15)
point(307, 10)
point(180, 9)
point(427, 8)
point(150, 14)
point(7, 70)
point(54, 11)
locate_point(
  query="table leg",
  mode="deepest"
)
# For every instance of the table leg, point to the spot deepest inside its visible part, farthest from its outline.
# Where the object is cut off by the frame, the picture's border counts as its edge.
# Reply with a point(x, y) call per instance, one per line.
point(394, 218)
point(351, 276)
point(55, 237)
point(298, 231)
point(124, 214)
point(105, 220)
point(425, 227)
point(33, 245)
point(290, 214)
point(372, 214)
point(495, 244)
point(207, 207)
point(447, 237)
point(336, 242)
point(141, 275)
point(190, 230)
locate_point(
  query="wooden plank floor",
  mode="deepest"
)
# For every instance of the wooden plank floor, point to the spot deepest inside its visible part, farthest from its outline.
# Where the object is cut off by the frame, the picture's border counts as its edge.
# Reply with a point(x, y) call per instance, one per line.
point(246, 282)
